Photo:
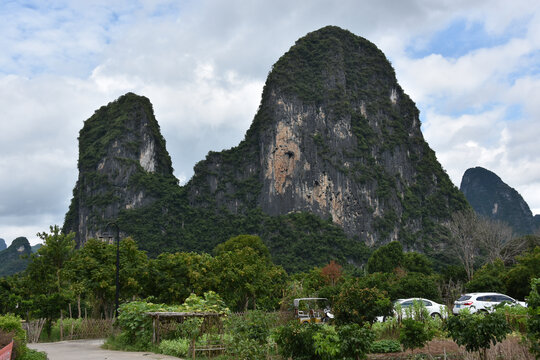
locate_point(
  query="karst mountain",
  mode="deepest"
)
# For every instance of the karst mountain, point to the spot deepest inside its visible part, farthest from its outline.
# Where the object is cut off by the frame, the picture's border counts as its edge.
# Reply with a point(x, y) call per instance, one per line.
point(333, 165)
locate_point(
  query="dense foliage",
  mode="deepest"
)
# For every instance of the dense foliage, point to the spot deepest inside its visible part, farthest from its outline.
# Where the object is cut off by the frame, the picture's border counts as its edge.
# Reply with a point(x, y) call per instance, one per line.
point(477, 332)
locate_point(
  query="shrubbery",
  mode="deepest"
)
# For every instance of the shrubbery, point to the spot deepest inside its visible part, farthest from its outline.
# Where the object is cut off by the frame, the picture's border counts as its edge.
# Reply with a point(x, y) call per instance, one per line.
point(314, 341)
point(10, 327)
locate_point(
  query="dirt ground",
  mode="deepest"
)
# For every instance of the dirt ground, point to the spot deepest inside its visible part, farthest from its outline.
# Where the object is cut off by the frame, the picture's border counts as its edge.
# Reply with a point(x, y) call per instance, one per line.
point(511, 348)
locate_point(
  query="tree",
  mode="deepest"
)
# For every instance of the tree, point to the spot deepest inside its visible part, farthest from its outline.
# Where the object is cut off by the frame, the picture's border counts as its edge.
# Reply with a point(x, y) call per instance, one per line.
point(533, 321)
point(490, 277)
point(386, 258)
point(57, 249)
point(169, 280)
point(355, 341)
point(414, 334)
point(493, 236)
point(519, 277)
point(464, 239)
point(357, 304)
point(416, 262)
point(246, 275)
point(332, 273)
point(477, 332)
point(242, 241)
point(93, 268)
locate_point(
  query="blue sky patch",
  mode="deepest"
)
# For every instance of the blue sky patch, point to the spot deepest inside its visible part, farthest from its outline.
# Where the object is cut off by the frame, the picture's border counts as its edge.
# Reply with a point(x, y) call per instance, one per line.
point(462, 37)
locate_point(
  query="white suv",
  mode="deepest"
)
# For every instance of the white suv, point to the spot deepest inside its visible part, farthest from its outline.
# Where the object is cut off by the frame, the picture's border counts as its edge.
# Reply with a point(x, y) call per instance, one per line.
point(485, 302)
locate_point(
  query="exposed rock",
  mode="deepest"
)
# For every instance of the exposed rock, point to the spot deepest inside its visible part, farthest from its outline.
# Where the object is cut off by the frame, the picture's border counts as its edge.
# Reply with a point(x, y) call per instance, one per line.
point(122, 156)
point(335, 137)
point(489, 196)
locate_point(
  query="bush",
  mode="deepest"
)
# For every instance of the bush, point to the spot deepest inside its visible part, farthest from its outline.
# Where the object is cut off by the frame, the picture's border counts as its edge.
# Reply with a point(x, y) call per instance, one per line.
point(533, 322)
point(137, 326)
point(296, 340)
point(326, 342)
point(355, 340)
point(176, 347)
point(249, 334)
point(414, 334)
point(385, 346)
point(356, 304)
point(388, 329)
point(477, 332)
point(11, 324)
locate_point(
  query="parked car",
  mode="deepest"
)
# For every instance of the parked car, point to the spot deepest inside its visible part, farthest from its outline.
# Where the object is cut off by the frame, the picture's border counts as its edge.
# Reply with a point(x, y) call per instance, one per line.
point(483, 301)
point(435, 310)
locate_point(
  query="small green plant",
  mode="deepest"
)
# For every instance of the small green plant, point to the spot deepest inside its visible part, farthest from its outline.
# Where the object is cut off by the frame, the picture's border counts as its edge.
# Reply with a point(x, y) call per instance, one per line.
point(355, 341)
point(249, 334)
point(385, 346)
point(533, 322)
point(296, 340)
point(175, 347)
point(388, 329)
point(414, 334)
point(477, 332)
point(326, 342)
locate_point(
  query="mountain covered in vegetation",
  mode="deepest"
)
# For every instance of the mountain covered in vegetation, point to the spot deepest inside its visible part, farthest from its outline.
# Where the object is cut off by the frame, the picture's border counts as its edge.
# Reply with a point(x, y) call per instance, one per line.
point(15, 258)
point(3, 245)
point(333, 165)
point(491, 197)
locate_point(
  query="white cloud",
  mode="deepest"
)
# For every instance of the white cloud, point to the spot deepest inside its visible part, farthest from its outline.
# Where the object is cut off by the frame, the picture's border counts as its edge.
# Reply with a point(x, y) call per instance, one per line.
point(203, 65)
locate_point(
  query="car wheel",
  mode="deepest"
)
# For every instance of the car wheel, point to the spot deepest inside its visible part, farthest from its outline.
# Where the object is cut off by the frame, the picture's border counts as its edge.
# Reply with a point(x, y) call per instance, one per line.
point(436, 316)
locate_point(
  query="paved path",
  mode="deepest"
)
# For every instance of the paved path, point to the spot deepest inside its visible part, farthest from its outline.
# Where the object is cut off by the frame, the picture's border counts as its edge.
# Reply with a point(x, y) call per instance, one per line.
point(90, 350)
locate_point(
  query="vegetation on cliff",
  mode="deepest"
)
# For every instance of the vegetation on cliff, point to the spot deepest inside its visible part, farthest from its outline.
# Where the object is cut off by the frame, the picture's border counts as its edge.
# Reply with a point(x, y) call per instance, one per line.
point(382, 182)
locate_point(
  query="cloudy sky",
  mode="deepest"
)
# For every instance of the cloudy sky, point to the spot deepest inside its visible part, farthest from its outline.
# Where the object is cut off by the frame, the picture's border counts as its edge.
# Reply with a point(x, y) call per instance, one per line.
point(471, 66)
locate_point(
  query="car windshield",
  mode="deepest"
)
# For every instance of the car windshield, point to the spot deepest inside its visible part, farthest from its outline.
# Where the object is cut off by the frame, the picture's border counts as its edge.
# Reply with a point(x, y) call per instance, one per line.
point(464, 297)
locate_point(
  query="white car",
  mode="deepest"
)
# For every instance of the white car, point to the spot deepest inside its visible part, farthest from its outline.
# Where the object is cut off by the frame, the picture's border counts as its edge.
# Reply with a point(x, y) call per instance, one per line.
point(435, 310)
point(483, 302)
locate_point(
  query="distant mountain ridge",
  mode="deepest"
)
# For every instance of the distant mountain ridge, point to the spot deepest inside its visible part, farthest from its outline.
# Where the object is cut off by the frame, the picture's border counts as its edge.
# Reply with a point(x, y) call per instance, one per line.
point(491, 197)
point(333, 162)
point(11, 261)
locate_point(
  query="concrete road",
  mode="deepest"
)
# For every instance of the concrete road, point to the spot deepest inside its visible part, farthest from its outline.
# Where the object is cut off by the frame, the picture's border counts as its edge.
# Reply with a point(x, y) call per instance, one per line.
point(90, 350)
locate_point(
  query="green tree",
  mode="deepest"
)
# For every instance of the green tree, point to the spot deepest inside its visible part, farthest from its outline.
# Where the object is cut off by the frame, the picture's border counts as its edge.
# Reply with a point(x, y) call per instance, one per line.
point(477, 332)
point(489, 277)
point(416, 262)
point(245, 279)
point(357, 304)
point(242, 241)
point(414, 334)
point(93, 268)
point(533, 321)
point(169, 280)
point(355, 341)
point(518, 280)
point(415, 284)
point(57, 249)
point(386, 258)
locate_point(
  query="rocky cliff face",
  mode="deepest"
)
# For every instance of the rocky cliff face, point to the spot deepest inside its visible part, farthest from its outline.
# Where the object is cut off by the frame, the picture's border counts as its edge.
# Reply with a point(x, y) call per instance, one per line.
point(333, 162)
point(121, 154)
point(491, 197)
point(335, 135)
